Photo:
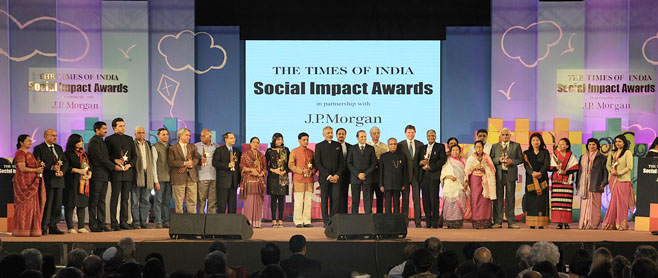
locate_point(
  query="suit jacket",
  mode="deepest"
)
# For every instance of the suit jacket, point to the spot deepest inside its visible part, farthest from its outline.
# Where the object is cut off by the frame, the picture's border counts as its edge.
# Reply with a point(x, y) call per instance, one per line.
point(99, 159)
point(220, 160)
point(116, 146)
point(599, 175)
point(361, 163)
point(412, 167)
point(345, 175)
point(329, 160)
point(42, 151)
point(390, 176)
point(297, 264)
point(437, 159)
point(513, 152)
point(176, 161)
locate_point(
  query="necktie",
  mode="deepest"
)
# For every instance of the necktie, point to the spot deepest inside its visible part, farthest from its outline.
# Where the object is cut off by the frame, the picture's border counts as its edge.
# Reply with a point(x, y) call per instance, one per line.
point(361, 149)
point(52, 149)
point(411, 150)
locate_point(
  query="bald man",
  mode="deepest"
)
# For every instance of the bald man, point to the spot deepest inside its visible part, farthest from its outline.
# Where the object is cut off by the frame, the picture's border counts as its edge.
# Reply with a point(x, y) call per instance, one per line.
point(482, 256)
point(145, 176)
point(207, 185)
point(53, 175)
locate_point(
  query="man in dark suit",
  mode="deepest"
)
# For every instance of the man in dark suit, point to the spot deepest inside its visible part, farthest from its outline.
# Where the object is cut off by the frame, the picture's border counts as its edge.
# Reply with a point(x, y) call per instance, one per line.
point(297, 263)
point(226, 161)
point(361, 161)
point(121, 149)
point(393, 176)
point(344, 181)
point(506, 156)
point(53, 175)
point(100, 163)
point(411, 149)
point(432, 160)
point(330, 163)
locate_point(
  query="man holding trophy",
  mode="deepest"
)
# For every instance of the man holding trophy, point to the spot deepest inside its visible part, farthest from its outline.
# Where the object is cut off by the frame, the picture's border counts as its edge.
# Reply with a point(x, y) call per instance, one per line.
point(53, 157)
point(182, 160)
point(434, 156)
point(301, 164)
point(121, 149)
point(226, 161)
point(505, 155)
point(207, 173)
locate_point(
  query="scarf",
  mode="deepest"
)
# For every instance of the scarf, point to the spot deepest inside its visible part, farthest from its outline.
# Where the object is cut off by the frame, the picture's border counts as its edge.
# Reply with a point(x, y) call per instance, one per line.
point(566, 162)
point(488, 177)
point(84, 184)
point(452, 189)
point(585, 173)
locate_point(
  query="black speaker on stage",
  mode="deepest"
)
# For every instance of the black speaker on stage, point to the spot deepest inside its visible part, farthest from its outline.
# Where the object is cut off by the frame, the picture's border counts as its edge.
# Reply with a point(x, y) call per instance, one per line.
point(366, 226)
point(183, 225)
point(228, 226)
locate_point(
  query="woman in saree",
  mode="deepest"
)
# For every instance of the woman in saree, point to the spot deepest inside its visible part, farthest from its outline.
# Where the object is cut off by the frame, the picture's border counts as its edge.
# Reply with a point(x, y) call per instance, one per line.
point(591, 179)
point(278, 180)
point(622, 198)
point(454, 190)
point(29, 190)
point(481, 179)
point(563, 166)
point(252, 188)
point(536, 162)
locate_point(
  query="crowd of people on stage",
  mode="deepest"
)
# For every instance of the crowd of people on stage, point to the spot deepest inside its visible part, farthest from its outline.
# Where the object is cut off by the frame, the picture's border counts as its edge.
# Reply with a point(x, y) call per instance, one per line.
point(205, 177)
point(428, 259)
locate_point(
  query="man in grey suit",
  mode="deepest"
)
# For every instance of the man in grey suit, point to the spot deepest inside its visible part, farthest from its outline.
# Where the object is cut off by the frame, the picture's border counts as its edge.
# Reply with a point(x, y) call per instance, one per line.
point(410, 148)
point(506, 155)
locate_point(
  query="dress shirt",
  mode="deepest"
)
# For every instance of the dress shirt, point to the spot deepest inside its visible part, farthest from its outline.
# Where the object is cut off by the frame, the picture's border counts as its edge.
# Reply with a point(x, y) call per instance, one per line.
point(206, 172)
point(141, 146)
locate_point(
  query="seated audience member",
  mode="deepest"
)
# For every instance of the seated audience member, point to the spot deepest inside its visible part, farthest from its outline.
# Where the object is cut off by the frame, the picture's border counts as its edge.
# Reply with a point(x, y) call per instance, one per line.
point(33, 259)
point(490, 270)
point(12, 265)
point(546, 268)
point(435, 247)
point(532, 274)
point(130, 270)
point(69, 272)
point(128, 249)
point(272, 271)
point(482, 256)
point(214, 265)
point(153, 268)
point(158, 256)
point(75, 258)
point(396, 271)
point(3, 252)
point(269, 254)
point(601, 264)
point(92, 267)
point(644, 268)
point(111, 259)
point(297, 263)
point(522, 261)
point(468, 266)
point(231, 271)
point(448, 262)
point(621, 267)
point(544, 251)
point(31, 273)
point(646, 251)
point(181, 274)
point(422, 260)
point(580, 263)
point(48, 267)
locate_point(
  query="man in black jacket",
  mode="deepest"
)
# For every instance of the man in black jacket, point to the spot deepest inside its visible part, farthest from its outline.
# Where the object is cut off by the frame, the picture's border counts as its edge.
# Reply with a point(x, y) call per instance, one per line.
point(226, 160)
point(100, 163)
point(53, 174)
point(297, 263)
point(393, 176)
point(330, 163)
point(121, 149)
point(432, 160)
point(344, 181)
point(411, 149)
point(361, 161)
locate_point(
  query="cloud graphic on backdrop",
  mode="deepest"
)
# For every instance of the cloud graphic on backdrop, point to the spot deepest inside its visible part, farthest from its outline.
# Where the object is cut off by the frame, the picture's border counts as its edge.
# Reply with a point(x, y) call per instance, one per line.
point(38, 22)
point(169, 44)
point(644, 50)
point(519, 28)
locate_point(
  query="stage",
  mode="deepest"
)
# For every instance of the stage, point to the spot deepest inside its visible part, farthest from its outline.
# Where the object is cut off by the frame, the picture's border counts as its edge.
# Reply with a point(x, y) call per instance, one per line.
point(352, 254)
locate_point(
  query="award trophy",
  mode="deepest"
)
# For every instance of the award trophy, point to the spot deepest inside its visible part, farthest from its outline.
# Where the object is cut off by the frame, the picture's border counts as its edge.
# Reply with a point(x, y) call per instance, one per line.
point(39, 162)
point(234, 159)
point(124, 158)
point(309, 166)
point(205, 155)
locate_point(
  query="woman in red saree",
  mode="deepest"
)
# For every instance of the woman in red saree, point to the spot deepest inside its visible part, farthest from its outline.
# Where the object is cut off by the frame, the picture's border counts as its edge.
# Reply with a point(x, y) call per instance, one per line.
point(622, 198)
point(29, 190)
point(252, 188)
point(563, 165)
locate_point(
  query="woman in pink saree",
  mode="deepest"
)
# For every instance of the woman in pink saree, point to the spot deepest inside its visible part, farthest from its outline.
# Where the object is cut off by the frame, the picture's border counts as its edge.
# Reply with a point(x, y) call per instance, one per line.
point(481, 178)
point(29, 190)
point(252, 188)
point(591, 179)
point(622, 199)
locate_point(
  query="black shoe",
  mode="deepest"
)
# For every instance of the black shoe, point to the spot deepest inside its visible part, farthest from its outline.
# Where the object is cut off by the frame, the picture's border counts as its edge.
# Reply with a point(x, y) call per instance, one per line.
point(566, 227)
point(145, 226)
point(559, 226)
point(95, 230)
point(135, 227)
point(126, 227)
point(541, 227)
point(116, 228)
point(55, 232)
point(532, 227)
point(308, 226)
point(299, 226)
point(418, 225)
point(428, 226)
point(44, 232)
point(105, 228)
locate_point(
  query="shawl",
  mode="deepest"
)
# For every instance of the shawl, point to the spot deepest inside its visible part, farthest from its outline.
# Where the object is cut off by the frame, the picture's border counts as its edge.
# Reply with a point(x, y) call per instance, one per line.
point(566, 163)
point(250, 160)
point(586, 173)
point(452, 189)
point(488, 177)
point(84, 164)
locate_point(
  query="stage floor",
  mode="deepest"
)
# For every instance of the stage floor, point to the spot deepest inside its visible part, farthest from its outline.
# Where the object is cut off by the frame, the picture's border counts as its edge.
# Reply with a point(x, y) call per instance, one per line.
point(316, 234)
